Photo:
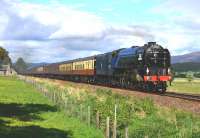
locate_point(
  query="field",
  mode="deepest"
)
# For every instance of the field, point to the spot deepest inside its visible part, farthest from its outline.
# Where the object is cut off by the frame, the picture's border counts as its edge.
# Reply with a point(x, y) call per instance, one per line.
point(26, 113)
point(142, 117)
point(183, 86)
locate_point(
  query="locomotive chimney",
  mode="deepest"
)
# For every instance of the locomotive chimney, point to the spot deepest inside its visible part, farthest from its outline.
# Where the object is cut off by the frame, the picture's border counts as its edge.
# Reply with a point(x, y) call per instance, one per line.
point(151, 43)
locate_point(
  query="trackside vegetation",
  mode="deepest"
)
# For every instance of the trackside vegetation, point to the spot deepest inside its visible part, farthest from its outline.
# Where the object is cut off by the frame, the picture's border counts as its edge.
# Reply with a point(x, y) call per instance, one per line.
point(139, 117)
point(26, 113)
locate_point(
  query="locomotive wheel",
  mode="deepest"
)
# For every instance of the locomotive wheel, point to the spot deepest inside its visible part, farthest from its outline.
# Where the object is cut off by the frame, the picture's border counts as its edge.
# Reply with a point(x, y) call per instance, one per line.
point(161, 87)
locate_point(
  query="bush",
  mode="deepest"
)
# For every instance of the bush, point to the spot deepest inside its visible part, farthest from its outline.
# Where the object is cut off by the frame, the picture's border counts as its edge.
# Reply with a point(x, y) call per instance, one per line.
point(190, 76)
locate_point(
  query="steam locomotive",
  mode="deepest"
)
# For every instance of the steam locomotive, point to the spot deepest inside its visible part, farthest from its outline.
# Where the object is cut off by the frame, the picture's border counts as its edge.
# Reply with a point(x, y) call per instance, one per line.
point(143, 68)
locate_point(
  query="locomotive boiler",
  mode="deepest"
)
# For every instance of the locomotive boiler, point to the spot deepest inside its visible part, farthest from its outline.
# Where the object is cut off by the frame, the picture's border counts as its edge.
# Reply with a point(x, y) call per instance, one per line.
point(138, 67)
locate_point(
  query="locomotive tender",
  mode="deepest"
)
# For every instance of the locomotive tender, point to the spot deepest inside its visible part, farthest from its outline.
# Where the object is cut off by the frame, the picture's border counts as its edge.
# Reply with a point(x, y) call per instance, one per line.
point(144, 68)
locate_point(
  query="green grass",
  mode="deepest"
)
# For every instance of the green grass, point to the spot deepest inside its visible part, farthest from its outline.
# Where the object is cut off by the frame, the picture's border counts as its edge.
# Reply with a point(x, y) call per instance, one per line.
point(183, 86)
point(143, 117)
point(26, 113)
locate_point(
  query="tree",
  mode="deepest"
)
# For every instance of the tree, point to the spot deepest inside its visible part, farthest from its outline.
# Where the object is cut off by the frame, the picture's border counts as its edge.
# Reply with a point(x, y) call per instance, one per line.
point(20, 66)
point(4, 57)
point(190, 76)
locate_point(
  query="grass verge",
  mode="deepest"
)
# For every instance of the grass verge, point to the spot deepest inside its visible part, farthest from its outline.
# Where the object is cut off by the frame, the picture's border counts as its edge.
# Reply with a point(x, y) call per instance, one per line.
point(26, 113)
point(183, 86)
point(142, 117)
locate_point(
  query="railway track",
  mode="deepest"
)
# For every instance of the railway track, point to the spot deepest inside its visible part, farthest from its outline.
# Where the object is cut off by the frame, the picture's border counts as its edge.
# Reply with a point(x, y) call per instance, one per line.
point(185, 96)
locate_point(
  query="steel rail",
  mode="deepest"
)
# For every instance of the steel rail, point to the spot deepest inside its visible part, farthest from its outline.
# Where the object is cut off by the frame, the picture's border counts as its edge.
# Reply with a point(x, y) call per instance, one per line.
point(192, 97)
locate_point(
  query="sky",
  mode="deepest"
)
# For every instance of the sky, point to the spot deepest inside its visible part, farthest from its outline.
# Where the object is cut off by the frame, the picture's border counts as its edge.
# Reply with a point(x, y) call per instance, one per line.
point(58, 30)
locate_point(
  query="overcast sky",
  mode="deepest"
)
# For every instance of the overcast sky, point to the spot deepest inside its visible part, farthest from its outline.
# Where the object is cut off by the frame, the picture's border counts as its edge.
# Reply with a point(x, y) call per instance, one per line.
point(57, 30)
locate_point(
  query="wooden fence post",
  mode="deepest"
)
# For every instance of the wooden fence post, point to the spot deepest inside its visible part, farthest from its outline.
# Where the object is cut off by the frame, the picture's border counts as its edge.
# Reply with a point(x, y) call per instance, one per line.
point(115, 123)
point(66, 103)
point(62, 100)
point(54, 96)
point(58, 97)
point(66, 106)
point(88, 116)
point(126, 132)
point(97, 119)
point(81, 112)
point(71, 108)
point(107, 128)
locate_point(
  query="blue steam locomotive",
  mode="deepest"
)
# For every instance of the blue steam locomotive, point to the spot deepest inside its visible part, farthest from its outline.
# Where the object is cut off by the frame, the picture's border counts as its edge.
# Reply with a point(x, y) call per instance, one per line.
point(144, 68)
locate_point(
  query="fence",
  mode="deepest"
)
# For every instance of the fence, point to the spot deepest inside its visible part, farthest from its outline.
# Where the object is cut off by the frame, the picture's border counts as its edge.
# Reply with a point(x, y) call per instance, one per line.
point(81, 110)
point(117, 116)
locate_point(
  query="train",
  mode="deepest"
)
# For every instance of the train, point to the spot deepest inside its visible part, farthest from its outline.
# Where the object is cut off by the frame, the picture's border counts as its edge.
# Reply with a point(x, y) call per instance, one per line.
point(146, 68)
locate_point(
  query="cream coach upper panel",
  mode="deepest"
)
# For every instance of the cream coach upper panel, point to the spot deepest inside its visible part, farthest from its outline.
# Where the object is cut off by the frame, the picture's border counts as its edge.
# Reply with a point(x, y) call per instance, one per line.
point(89, 64)
point(80, 65)
point(65, 67)
point(40, 69)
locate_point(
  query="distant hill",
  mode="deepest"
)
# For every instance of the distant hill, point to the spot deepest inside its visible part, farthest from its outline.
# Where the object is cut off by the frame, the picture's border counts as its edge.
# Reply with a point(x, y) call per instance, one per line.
point(186, 62)
point(32, 65)
point(187, 66)
point(190, 57)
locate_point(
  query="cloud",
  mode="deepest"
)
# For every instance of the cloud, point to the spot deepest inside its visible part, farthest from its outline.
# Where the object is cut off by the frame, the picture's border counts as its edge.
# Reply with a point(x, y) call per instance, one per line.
point(179, 30)
point(187, 8)
point(26, 29)
point(55, 32)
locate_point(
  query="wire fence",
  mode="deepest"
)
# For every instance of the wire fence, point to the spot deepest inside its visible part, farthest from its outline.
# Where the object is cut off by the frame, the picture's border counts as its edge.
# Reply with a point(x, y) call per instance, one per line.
point(116, 119)
point(82, 110)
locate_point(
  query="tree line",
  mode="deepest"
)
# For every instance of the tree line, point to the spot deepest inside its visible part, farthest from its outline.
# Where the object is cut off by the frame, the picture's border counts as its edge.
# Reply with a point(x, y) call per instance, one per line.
point(186, 67)
point(20, 66)
point(4, 57)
